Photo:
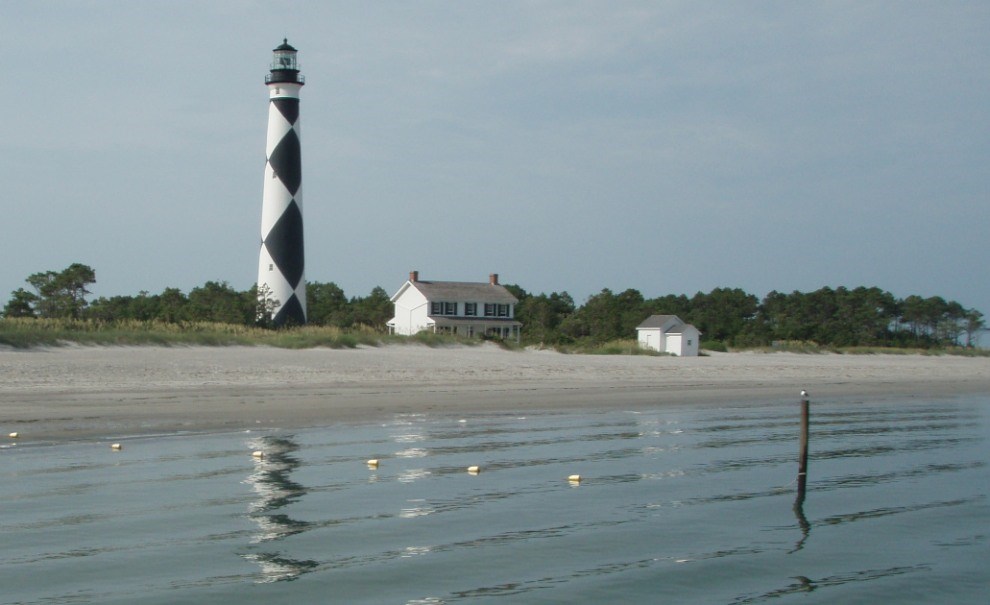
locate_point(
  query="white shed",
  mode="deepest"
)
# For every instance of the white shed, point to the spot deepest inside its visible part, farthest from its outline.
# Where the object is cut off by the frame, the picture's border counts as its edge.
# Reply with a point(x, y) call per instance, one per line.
point(668, 334)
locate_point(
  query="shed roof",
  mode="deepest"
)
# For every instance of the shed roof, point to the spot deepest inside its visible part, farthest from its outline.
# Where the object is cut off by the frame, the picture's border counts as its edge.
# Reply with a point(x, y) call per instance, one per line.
point(658, 321)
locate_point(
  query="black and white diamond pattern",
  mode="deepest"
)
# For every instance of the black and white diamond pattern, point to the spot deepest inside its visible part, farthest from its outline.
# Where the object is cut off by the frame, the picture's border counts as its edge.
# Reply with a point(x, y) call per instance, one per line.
point(281, 263)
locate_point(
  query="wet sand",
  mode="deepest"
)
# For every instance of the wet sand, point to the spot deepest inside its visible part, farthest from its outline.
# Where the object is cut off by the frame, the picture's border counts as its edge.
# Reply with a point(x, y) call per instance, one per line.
point(74, 392)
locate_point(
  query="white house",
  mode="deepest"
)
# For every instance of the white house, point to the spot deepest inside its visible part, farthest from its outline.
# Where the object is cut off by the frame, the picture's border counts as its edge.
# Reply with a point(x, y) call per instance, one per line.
point(451, 307)
point(669, 334)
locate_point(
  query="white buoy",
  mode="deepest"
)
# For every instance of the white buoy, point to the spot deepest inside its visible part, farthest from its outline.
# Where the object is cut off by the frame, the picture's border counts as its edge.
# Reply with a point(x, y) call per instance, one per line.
point(116, 447)
point(13, 435)
point(258, 454)
point(574, 478)
point(474, 470)
point(373, 463)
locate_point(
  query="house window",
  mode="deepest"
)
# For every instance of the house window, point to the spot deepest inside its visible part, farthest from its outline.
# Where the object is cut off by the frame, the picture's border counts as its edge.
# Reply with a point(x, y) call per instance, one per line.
point(471, 309)
point(689, 342)
point(443, 308)
point(496, 310)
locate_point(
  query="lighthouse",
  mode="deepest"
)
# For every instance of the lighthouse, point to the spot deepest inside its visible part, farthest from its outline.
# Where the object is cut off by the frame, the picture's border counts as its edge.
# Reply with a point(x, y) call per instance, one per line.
point(281, 287)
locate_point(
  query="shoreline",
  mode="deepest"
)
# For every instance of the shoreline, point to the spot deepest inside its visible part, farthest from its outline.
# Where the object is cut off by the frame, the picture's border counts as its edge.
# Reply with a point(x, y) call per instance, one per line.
point(79, 393)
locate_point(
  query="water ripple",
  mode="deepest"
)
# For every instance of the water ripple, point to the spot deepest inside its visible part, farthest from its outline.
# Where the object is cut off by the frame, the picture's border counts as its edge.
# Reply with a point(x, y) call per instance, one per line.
point(893, 510)
point(871, 479)
point(804, 584)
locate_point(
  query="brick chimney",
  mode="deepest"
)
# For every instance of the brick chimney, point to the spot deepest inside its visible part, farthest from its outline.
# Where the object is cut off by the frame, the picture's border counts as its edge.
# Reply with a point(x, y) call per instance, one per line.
point(493, 279)
point(414, 276)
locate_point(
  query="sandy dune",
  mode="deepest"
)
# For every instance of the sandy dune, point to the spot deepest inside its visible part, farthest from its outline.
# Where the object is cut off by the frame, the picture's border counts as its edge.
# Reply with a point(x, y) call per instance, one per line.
point(87, 392)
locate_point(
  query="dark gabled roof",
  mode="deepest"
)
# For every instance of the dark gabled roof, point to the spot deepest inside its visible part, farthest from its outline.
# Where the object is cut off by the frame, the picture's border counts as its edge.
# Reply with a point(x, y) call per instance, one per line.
point(458, 291)
point(658, 321)
point(677, 325)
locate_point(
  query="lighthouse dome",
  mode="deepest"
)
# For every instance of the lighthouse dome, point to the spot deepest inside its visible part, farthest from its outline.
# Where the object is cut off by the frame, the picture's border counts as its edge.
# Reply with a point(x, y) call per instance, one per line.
point(284, 67)
point(284, 46)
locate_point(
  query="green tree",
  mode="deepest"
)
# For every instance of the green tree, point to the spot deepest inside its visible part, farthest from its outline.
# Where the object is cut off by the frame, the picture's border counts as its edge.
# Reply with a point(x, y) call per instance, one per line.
point(373, 310)
point(871, 314)
point(517, 291)
point(144, 306)
point(218, 302)
point(72, 284)
point(265, 305)
point(606, 316)
point(934, 309)
point(723, 313)
point(952, 323)
point(912, 315)
point(542, 316)
point(62, 294)
point(933, 320)
point(21, 304)
point(796, 316)
point(172, 305)
point(670, 304)
point(46, 286)
point(169, 307)
point(326, 305)
point(114, 308)
point(974, 324)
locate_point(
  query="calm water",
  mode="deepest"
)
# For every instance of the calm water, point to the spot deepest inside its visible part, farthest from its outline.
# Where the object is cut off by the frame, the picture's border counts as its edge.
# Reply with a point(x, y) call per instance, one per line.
point(677, 505)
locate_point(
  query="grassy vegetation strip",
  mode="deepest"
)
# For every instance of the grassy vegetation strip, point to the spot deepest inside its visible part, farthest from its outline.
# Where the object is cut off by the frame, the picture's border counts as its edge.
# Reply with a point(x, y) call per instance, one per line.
point(24, 333)
point(814, 348)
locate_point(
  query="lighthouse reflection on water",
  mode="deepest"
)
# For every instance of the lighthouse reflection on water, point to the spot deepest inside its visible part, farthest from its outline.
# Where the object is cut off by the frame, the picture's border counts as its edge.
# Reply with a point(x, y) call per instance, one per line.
point(271, 481)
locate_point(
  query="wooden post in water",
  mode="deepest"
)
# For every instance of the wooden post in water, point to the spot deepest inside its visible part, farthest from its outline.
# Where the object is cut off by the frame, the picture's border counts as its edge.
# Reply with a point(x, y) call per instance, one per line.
point(802, 476)
point(803, 454)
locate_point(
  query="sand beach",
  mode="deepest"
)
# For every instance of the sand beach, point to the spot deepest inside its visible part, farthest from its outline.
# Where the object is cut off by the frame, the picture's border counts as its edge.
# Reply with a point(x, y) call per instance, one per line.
point(76, 392)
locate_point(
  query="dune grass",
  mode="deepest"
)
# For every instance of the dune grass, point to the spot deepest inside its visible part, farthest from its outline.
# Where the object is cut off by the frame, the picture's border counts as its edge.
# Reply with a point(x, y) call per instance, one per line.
point(814, 348)
point(628, 346)
point(27, 333)
point(24, 333)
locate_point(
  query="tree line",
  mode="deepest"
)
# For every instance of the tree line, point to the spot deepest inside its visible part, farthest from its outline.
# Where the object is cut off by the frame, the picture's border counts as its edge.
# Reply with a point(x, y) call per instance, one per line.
point(62, 295)
point(839, 317)
point(728, 316)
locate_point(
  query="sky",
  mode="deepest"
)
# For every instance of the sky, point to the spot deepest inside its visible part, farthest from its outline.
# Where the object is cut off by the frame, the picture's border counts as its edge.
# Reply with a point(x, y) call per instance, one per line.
point(670, 147)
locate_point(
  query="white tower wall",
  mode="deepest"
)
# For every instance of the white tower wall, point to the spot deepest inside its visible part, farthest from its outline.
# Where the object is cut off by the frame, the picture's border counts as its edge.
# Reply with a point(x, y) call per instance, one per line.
point(281, 262)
